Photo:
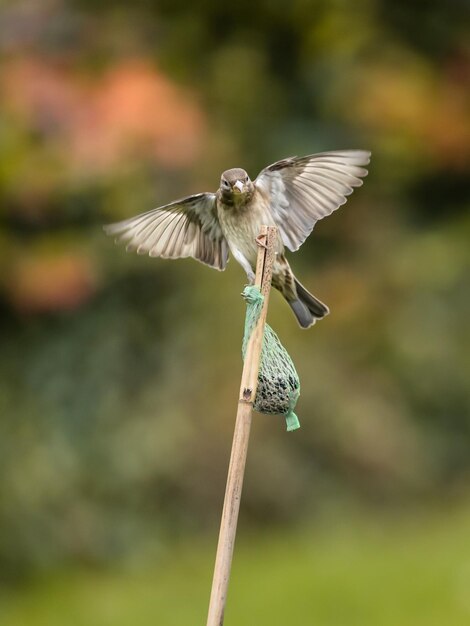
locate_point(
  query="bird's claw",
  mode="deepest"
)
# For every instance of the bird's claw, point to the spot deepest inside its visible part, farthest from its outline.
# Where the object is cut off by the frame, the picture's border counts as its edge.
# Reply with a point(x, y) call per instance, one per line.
point(251, 282)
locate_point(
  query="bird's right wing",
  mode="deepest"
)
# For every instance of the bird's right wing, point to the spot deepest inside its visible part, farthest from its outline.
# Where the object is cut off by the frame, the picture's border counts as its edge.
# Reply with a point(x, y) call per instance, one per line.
point(303, 190)
point(185, 228)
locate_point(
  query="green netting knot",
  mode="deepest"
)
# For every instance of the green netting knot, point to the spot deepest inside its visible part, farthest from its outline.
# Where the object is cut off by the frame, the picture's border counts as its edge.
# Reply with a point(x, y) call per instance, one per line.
point(278, 382)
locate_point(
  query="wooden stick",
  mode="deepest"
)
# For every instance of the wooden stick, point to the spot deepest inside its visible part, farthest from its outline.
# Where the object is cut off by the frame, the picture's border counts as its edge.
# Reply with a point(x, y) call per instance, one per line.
point(236, 470)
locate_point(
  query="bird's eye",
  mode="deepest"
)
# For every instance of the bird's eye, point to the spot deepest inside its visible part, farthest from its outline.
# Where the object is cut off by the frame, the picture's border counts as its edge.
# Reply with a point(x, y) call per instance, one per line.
point(225, 183)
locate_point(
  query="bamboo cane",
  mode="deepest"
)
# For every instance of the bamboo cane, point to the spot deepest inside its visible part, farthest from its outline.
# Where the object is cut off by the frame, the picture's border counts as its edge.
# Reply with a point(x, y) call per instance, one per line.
point(249, 382)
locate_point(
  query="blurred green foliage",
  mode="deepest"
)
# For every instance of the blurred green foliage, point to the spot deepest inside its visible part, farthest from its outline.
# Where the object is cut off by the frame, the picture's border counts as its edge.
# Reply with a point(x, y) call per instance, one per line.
point(354, 572)
point(119, 374)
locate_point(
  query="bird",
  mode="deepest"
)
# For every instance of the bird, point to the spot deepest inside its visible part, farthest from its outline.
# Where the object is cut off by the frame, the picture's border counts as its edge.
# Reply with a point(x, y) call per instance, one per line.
point(292, 194)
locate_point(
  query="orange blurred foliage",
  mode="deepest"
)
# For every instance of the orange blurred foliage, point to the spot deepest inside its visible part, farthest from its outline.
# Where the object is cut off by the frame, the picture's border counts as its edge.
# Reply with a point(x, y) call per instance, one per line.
point(51, 282)
point(132, 109)
point(433, 112)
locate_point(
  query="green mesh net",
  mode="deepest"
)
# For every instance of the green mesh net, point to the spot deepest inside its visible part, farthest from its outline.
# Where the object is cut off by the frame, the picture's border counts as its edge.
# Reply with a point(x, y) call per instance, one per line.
point(278, 382)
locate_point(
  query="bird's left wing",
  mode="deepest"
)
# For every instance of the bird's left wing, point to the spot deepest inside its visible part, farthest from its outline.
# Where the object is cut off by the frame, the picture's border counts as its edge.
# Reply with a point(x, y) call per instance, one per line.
point(185, 228)
point(303, 190)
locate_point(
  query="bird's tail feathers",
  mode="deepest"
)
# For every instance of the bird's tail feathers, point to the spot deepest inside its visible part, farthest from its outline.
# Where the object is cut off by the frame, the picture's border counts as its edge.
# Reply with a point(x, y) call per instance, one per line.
point(307, 309)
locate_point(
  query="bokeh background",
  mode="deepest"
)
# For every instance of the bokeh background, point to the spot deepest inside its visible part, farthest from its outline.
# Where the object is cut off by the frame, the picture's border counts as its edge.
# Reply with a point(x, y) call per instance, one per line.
point(119, 374)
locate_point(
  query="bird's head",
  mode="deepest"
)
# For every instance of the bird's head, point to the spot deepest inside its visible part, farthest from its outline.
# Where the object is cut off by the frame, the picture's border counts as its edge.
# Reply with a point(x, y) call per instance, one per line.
point(236, 186)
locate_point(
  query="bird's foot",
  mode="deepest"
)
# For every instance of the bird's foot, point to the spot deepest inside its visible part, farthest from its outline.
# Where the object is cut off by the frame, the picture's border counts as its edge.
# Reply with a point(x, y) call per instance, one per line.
point(251, 278)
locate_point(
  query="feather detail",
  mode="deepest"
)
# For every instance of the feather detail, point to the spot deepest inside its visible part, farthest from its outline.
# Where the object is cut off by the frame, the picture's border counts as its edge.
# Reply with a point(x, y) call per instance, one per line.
point(185, 228)
point(303, 190)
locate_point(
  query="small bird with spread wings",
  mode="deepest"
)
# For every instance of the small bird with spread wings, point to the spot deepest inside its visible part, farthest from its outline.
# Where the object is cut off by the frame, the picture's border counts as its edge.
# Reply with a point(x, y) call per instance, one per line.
point(292, 194)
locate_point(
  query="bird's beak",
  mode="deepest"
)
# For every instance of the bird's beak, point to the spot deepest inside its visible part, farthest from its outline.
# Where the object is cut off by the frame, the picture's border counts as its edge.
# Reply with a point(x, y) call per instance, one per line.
point(238, 185)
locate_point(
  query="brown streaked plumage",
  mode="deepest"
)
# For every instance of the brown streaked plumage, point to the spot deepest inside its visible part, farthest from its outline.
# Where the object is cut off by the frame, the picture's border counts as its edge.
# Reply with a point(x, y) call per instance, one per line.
point(292, 194)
